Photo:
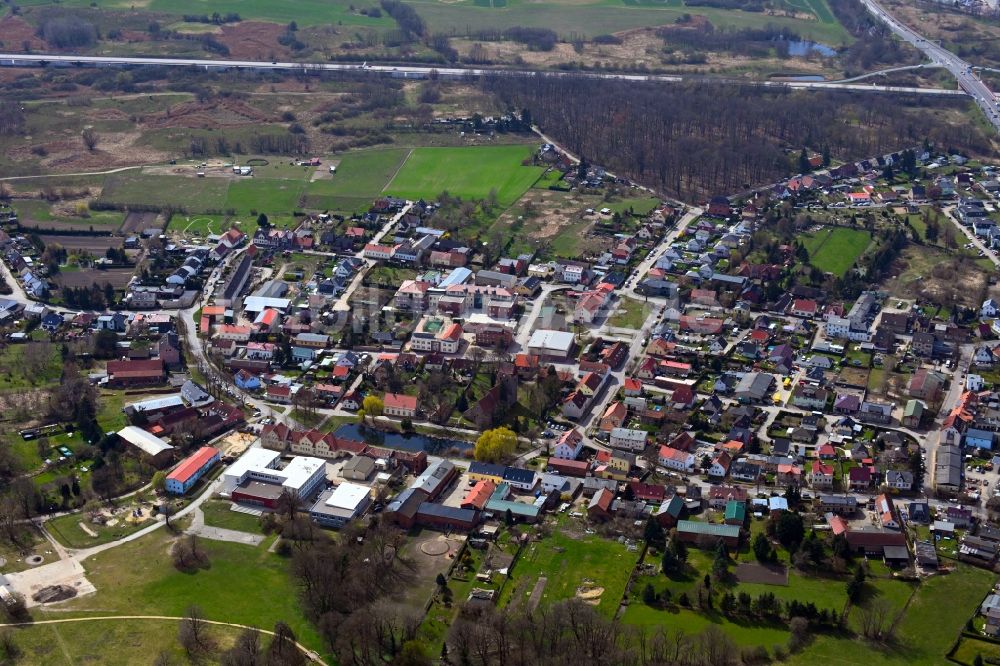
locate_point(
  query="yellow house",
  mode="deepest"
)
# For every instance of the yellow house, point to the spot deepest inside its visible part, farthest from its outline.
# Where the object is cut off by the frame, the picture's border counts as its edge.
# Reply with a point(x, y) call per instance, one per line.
point(483, 471)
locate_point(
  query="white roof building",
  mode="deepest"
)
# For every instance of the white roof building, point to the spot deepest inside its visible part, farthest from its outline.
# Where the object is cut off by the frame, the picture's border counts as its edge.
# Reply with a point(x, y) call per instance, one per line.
point(551, 343)
point(154, 404)
point(148, 443)
point(257, 304)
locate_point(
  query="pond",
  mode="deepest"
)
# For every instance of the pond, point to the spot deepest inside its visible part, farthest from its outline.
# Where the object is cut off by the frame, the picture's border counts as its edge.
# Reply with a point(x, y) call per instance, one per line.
point(803, 48)
point(394, 440)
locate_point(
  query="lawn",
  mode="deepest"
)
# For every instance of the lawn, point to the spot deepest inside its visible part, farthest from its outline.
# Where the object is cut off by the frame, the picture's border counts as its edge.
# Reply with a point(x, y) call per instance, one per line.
point(200, 225)
point(569, 562)
point(243, 584)
point(638, 205)
point(264, 195)
point(195, 195)
point(931, 624)
point(111, 642)
point(629, 314)
point(691, 622)
point(218, 514)
point(835, 250)
point(360, 178)
point(470, 173)
point(969, 648)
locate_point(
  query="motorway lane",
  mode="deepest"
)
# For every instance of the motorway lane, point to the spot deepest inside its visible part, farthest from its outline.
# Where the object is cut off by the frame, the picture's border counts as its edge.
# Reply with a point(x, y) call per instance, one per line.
point(960, 69)
point(423, 72)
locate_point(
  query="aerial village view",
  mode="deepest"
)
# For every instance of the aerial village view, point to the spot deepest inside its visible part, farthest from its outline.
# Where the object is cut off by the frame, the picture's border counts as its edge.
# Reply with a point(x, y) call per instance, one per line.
point(363, 335)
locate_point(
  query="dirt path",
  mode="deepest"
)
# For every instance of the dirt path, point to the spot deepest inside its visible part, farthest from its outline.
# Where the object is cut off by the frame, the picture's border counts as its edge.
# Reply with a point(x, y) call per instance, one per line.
point(77, 173)
point(536, 593)
point(312, 656)
point(398, 169)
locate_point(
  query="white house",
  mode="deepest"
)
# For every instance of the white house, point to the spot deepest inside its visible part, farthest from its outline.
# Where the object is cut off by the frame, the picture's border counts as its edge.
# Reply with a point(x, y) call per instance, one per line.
point(675, 459)
point(974, 382)
point(569, 445)
point(627, 438)
point(983, 356)
point(990, 308)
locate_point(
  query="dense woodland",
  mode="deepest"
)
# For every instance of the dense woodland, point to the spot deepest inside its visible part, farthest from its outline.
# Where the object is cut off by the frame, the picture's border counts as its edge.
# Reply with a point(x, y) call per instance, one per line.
point(698, 139)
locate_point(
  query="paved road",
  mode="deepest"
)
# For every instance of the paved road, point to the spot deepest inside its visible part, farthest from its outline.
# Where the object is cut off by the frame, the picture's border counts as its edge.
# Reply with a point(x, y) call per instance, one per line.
point(961, 70)
point(423, 72)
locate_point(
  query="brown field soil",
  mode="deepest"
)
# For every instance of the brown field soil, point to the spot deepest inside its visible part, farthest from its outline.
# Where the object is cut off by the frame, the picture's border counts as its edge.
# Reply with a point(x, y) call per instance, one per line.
point(113, 149)
point(55, 225)
point(92, 243)
point(15, 31)
point(138, 222)
point(759, 573)
point(207, 115)
point(118, 277)
point(252, 39)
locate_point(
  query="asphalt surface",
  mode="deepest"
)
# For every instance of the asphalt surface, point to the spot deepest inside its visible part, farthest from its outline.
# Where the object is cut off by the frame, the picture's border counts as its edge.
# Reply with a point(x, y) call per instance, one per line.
point(423, 72)
point(960, 69)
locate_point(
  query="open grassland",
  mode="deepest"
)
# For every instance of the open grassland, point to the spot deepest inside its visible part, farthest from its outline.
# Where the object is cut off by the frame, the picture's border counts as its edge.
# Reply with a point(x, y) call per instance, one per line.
point(566, 17)
point(836, 249)
point(113, 642)
point(360, 178)
point(470, 173)
point(243, 585)
point(26, 366)
point(192, 194)
point(267, 195)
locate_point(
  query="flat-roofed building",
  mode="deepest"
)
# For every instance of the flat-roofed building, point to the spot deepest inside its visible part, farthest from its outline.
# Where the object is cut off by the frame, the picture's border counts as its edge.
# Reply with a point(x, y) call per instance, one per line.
point(341, 505)
point(551, 344)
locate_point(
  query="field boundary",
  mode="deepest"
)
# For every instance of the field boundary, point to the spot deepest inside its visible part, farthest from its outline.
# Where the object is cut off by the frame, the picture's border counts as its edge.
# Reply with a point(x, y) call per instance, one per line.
point(399, 168)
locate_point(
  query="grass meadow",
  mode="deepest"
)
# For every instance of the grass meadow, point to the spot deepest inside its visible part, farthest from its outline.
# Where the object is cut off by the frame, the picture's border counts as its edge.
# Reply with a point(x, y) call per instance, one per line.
point(469, 173)
point(834, 250)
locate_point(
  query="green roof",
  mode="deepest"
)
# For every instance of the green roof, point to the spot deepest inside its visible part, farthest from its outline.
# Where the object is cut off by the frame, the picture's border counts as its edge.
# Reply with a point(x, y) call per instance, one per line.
point(913, 408)
point(736, 510)
point(708, 529)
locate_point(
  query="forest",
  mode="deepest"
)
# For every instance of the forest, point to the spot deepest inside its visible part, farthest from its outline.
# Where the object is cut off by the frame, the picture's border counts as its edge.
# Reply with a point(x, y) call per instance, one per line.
point(694, 140)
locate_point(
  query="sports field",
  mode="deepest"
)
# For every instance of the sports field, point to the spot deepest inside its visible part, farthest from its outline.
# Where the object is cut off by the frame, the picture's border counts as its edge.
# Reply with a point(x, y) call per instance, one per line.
point(836, 249)
point(469, 173)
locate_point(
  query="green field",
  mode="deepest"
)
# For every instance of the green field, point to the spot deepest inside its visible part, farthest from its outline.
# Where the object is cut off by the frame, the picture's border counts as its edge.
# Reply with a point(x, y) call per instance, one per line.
point(243, 584)
point(267, 195)
point(629, 314)
point(469, 173)
point(27, 366)
point(835, 250)
point(111, 642)
point(569, 563)
point(360, 178)
point(931, 624)
point(196, 195)
point(218, 514)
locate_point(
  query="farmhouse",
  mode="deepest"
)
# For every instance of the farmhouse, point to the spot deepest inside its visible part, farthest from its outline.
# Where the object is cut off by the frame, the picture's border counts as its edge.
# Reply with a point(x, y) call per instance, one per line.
point(398, 404)
point(708, 535)
point(128, 374)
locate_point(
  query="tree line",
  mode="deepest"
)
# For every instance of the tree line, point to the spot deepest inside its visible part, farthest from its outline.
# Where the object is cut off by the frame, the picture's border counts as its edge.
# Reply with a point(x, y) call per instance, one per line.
point(695, 140)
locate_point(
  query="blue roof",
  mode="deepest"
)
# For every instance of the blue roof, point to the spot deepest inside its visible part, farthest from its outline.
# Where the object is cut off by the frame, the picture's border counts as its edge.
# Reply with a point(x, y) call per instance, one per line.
point(518, 475)
point(486, 469)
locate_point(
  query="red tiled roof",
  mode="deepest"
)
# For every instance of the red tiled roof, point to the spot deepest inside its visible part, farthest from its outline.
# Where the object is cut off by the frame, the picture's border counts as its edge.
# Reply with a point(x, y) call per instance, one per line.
point(190, 466)
point(400, 401)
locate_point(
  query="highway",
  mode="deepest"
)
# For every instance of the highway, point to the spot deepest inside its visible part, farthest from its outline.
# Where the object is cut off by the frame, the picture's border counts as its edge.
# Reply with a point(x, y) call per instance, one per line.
point(960, 69)
point(423, 72)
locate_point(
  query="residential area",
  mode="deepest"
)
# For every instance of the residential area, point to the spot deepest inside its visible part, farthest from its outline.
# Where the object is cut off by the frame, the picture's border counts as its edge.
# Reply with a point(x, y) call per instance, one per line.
point(756, 415)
